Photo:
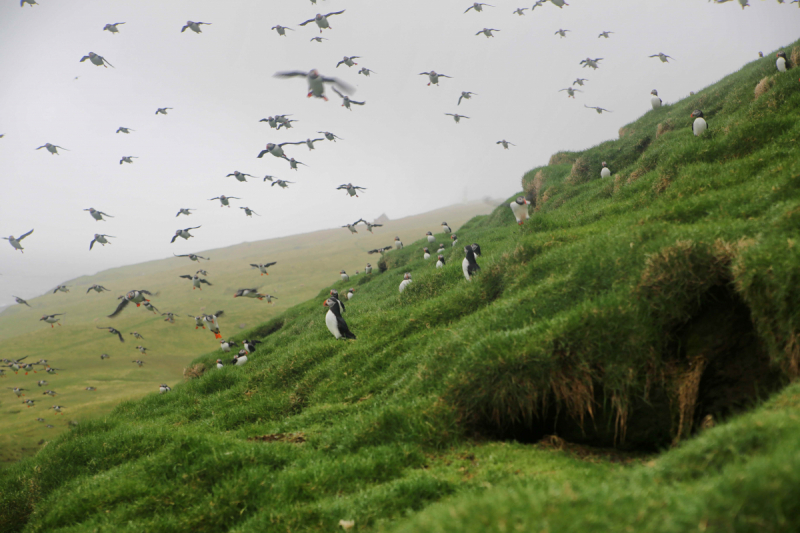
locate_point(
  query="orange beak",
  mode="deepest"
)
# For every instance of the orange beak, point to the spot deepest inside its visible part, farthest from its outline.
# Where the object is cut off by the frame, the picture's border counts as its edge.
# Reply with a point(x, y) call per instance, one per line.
point(325, 303)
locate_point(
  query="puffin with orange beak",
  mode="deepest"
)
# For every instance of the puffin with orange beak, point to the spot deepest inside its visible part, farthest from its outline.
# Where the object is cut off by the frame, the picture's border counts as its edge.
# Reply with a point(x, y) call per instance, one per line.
point(520, 209)
point(333, 319)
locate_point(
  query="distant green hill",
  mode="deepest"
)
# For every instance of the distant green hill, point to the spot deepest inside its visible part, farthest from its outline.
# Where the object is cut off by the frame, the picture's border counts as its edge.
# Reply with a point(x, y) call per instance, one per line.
point(573, 385)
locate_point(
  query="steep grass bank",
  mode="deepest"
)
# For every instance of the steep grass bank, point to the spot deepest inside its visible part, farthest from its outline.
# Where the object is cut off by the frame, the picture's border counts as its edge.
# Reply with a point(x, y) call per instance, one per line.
point(628, 311)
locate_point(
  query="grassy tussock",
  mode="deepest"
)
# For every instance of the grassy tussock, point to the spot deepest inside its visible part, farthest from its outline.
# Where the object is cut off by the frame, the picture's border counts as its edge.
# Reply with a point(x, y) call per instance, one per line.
point(763, 86)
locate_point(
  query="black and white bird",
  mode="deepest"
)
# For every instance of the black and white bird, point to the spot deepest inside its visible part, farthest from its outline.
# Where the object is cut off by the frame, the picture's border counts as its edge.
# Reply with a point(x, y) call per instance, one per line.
point(368, 269)
point(699, 125)
point(20, 300)
point(465, 95)
point(348, 60)
point(434, 76)
point(398, 244)
point(440, 261)
point(310, 142)
point(570, 92)
point(446, 228)
point(598, 109)
point(426, 254)
point(579, 81)
point(223, 200)
point(655, 101)
point(476, 249)
point(249, 346)
point(240, 176)
point(135, 296)
point(240, 358)
point(316, 82)
point(60, 288)
point(170, 317)
point(194, 26)
point(193, 257)
point(605, 34)
point(101, 238)
point(262, 267)
point(29, 2)
point(98, 60)
point(468, 265)
point(519, 11)
point(369, 225)
point(276, 149)
point(406, 281)
point(52, 148)
point(219, 364)
point(51, 319)
point(344, 275)
point(97, 215)
point(212, 323)
point(183, 211)
point(335, 295)
point(430, 236)
point(333, 319)
point(196, 281)
point(249, 293)
point(559, 3)
point(441, 249)
point(281, 183)
point(142, 350)
point(330, 136)
point(346, 101)
point(112, 27)
point(150, 307)
point(198, 321)
point(663, 57)
point(366, 72)
point(352, 190)
point(589, 62)
point(505, 144)
point(605, 172)
point(782, 63)
point(478, 7)
point(520, 209)
point(136, 335)
point(350, 294)
point(249, 212)
point(127, 159)
point(379, 251)
point(293, 163)
point(562, 33)
point(184, 233)
point(487, 32)
point(114, 332)
point(15, 242)
point(163, 388)
point(456, 116)
point(318, 39)
point(281, 29)
point(162, 110)
point(322, 20)
point(138, 362)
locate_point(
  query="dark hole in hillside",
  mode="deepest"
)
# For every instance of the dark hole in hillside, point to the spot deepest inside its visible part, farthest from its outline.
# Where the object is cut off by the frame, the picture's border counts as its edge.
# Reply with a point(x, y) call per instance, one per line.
point(268, 329)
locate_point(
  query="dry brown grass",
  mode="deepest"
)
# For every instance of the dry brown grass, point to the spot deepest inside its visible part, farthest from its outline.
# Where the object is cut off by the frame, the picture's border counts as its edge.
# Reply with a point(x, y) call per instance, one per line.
point(636, 174)
point(293, 438)
point(664, 127)
point(561, 158)
point(688, 385)
point(580, 173)
point(194, 371)
point(794, 57)
point(622, 131)
point(764, 85)
point(575, 389)
point(619, 179)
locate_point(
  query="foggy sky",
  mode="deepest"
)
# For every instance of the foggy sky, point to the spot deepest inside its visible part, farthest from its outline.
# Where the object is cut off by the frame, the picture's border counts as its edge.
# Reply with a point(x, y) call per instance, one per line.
point(400, 145)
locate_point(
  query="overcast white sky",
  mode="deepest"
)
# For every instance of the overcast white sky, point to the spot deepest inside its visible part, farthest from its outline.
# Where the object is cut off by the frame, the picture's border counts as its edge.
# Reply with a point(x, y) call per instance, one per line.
point(400, 145)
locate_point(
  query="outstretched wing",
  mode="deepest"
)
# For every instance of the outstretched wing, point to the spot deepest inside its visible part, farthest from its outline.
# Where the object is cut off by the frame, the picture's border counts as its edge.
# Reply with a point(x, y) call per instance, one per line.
point(119, 309)
point(185, 276)
point(24, 235)
point(334, 13)
point(306, 22)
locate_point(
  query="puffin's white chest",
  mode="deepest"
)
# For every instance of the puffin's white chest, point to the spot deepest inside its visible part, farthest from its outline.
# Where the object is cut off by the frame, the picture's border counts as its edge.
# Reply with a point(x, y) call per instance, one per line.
point(439, 264)
point(520, 212)
point(349, 295)
point(426, 255)
point(220, 365)
point(699, 126)
point(655, 102)
point(225, 347)
point(323, 23)
point(96, 60)
point(403, 284)
point(345, 277)
point(431, 238)
point(333, 325)
point(781, 64)
point(605, 173)
point(241, 360)
point(465, 268)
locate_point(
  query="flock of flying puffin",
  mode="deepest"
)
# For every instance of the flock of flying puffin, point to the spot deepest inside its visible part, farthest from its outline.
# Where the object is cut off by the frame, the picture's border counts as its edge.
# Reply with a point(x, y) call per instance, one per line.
point(335, 306)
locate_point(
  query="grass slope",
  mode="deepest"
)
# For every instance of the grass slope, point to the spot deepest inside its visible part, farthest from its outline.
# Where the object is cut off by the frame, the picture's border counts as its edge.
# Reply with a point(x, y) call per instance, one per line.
point(304, 264)
point(627, 311)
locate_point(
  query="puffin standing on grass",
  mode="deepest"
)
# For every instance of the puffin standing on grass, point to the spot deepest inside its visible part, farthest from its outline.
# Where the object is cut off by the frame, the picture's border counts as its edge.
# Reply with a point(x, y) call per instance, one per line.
point(454, 239)
point(368, 269)
point(225, 346)
point(333, 319)
point(782, 63)
point(605, 172)
point(431, 238)
point(250, 346)
point(240, 359)
point(406, 281)
point(350, 294)
point(468, 265)
point(655, 101)
point(446, 228)
point(344, 275)
point(163, 388)
point(440, 262)
point(426, 254)
point(699, 125)
point(219, 364)
point(520, 209)
point(398, 244)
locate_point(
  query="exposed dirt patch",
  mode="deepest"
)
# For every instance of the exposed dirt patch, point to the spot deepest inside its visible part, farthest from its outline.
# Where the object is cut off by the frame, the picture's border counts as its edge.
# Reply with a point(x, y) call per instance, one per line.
point(292, 438)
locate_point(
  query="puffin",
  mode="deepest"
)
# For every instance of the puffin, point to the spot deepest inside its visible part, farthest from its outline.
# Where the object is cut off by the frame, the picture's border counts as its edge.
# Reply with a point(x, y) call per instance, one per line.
point(240, 359)
point(219, 364)
point(268, 297)
point(142, 350)
point(663, 57)
point(366, 72)
point(598, 109)
point(213, 323)
point(183, 211)
point(281, 183)
point(52, 148)
point(487, 32)
point(316, 82)
point(350, 294)
point(135, 296)
point(456, 116)
point(240, 176)
point(351, 227)
point(193, 257)
point(42, 383)
point(440, 261)
point(559, 3)
point(281, 29)
point(112, 27)
point(433, 76)
point(446, 228)
point(29, 2)
point(15, 242)
point(285, 123)
point(406, 281)
point(346, 101)
point(196, 281)
point(348, 60)
point(249, 212)
point(322, 20)
point(351, 189)
point(782, 63)
point(344, 275)
point(249, 293)
point(465, 95)
point(505, 144)
point(441, 249)
point(162, 110)
point(335, 295)
point(579, 81)
point(605, 34)
point(519, 11)
point(605, 172)
point(368, 269)
point(468, 265)
point(589, 62)
point(336, 324)
point(163, 388)
point(430, 236)
point(655, 101)
point(17, 391)
point(29, 402)
point(125, 130)
point(198, 322)
point(318, 39)
point(570, 92)
point(183, 233)
point(170, 317)
point(520, 209)
point(114, 332)
point(139, 362)
point(127, 159)
point(150, 307)
point(194, 26)
point(699, 125)
point(562, 33)
point(250, 346)
point(310, 142)
point(476, 249)
point(61, 288)
point(397, 243)
point(262, 267)
point(97, 215)
point(101, 238)
point(271, 121)
point(98, 60)
point(370, 226)
point(293, 163)
point(20, 300)
point(96, 288)
point(276, 149)
point(330, 136)
point(223, 200)
point(426, 254)
point(379, 251)
point(478, 7)
point(51, 370)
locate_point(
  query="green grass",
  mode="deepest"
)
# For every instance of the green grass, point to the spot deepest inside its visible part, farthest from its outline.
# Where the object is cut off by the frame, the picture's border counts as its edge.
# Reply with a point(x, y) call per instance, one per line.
point(624, 313)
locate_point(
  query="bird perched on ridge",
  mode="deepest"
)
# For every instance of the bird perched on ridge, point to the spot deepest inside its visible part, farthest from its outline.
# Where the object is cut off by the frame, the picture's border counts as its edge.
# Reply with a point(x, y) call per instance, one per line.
point(468, 265)
point(15, 242)
point(699, 125)
point(163, 388)
point(782, 63)
point(52, 148)
point(430, 236)
point(98, 60)
point(348, 60)
point(249, 346)
point(397, 243)
point(184, 233)
point(605, 172)
point(406, 281)
point(194, 26)
point(240, 359)
point(440, 261)
point(520, 209)
point(101, 238)
point(446, 228)
point(114, 332)
point(426, 254)
point(322, 20)
point(655, 101)
point(334, 321)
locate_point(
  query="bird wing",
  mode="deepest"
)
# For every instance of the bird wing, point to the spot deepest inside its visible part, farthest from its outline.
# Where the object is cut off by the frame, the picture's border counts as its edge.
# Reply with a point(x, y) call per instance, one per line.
point(334, 13)
point(292, 73)
point(84, 58)
point(185, 276)
point(24, 235)
point(273, 183)
point(377, 225)
point(197, 227)
point(173, 239)
point(259, 156)
point(339, 63)
point(459, 101)
point(91, 244)
point(182, 255)
point(270, 264)
point(284, 144)
point(306, 22)
point(118, 310)
point(106, 61)
point(470, 7)
point(229, 198)
point(337, 92)
point(444, 76)
point(184, 28)
point(348, 89)
point(204, 281)
point(343, 329)
point(357, 103)
point(121, 338)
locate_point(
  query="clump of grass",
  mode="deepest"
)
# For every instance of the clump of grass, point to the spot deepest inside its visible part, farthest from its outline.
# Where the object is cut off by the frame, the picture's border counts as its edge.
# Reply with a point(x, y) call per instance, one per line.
point(194, 371)
point(582, 171)
point(562, 158)
point(763, 86)
point(664, 127)
point(794, 57)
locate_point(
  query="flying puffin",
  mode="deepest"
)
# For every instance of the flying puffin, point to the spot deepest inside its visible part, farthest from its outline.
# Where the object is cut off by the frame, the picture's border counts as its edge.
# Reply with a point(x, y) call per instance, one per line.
point(128, 159)
point(316, 82)
point(433, 76)
point(571, 92)
point(559, 3)
point(96, 288)
point(598, 109)
point(330, 136)
point(183, 233)
point(336, 324)
point(114, 332)
point(240, 358)
point(139, 362)
point(281, 183)
point(487, 32)
point(271, 121)
point(562, 33)
point(276, 149)
point(162, 110)
point(98, 60)
point(456, 116)
point(224, 201)
point(196, 281)
point(520, 209)
point(579, 81)
point(370, 226)
point(136, 335)
point(589, 62)
point(478, 7)
point(322, 20)
point(52, 148)
point(262, 267)
point(351, 227)
point(782, 63)
point(406, 281)
point(150, 307)
point(194, 26)
point(135, 296)
point(346, 101)
point(142, 350)
point(365, 71)
point(465, 95)
point(183, 211)
point(310, 142)
point(351, 189)
point(440, 262)
point(170, 317)
point(20, 300)
point(101, 238)
point(468, 265)
point(348, 61)
point(193, 257)
point(240, 176)
point(249, 293)
point(505, 144)
point(250, 346)
point(699, 125)
point(42, 383)
point(15, 243)
point(17, 391)
point(397, 243)
point(112, 28)
point(430, 236)
point(162, 389)
point(663, 57)
point(605, 34)
point(605, 172)
point(655, 101)
point(213, 324)
point(281, 29)
point(519, 11)
point(60, 288)
point(249, 212)
point(318, 39)
point(124, 130)
point(198, 322)
point(97, 215)
point(344, 275)
point(426, 254)
point(286, 123)
point(368, 269)
point(293, 163)
point(29, 2)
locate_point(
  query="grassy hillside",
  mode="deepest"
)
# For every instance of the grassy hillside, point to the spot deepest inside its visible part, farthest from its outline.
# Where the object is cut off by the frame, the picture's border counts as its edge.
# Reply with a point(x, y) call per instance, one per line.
point(613, 330)
point(304, 264)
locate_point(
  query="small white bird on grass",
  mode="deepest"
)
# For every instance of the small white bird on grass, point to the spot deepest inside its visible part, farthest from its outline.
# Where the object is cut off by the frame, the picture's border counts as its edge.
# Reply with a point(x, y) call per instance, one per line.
point(605, 172)
point(655, 101)
point(699, 125)
point(520, 209)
